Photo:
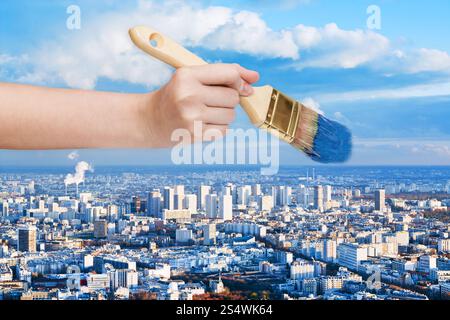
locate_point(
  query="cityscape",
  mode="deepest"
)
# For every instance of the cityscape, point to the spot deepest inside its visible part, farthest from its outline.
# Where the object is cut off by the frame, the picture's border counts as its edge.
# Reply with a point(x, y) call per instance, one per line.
point(224, 233)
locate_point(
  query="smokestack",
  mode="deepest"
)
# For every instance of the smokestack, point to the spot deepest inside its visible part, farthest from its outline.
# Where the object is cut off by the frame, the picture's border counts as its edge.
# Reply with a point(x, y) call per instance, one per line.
point(79, 175)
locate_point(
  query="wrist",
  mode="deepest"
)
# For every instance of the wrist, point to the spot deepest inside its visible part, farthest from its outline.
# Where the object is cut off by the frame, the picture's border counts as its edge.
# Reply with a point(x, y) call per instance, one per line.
point(143, 110)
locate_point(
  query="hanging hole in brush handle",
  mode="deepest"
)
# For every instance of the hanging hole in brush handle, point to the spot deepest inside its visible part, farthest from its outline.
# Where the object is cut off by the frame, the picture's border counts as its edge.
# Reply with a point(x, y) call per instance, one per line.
point(163, 48)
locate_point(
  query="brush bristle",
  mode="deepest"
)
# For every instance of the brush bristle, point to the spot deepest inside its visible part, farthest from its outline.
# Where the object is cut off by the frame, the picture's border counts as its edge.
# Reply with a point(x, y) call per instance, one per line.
point(332, 143)
point(323, 140)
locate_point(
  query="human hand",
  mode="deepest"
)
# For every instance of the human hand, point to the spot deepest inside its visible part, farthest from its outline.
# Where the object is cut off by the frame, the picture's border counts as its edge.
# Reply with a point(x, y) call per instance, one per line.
point(208, 94)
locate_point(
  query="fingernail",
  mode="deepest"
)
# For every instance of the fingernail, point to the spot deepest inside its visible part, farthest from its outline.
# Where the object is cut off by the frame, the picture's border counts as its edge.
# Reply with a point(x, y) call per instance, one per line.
point(246, 89)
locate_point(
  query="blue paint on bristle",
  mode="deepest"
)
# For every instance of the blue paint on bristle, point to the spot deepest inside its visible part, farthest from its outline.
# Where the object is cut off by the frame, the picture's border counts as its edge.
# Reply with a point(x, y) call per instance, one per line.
point(332, 143)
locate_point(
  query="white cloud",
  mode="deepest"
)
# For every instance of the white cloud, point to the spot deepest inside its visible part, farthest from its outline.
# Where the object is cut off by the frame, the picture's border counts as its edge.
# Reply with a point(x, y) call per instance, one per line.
point(416, 91)
point(102, 49)
point(331, 46)
point(426, 60)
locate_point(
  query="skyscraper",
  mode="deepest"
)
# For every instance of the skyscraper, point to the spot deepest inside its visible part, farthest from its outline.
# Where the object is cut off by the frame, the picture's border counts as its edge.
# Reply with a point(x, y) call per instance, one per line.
point(226, 208)
point(135, 205)
point(201, 196)
point(318, 198)
point(27, 239)
point(190, 203)
point(168, 198)
point(379, 200)
point(211, 206)
point(3, 209)
point(154, 203)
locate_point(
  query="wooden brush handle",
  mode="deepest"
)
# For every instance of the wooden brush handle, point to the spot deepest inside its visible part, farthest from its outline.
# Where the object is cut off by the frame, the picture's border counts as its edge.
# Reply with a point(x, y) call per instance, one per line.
point(165, 49)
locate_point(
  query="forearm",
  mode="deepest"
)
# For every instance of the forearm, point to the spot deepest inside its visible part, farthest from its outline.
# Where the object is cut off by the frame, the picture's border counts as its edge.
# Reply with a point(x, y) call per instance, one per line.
point(44, 118)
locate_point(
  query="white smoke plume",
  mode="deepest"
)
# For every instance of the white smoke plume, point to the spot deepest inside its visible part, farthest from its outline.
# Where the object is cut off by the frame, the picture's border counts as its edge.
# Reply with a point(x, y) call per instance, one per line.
point(79, 175)
point(73, 155)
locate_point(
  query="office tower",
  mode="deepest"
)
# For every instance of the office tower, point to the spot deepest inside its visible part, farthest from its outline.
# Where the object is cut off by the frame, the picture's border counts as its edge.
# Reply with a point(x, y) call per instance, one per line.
point(350, 255)
point(227, 190)
point(178, 201)
point(179, 189)
point(154, 203)
point(318, 198)
point(285, 196)
point(256, 190)
point(243, 195)
point(275, 196)
point(265, 203)
point(201, 197)
point(135, 205)
point(209, 234)
point(100, 229)
point(168, 198)
point(379, 200)
point(183, 235)
point(226, 208)
point(26, 241)
point(357, 193)
point(4, 208)
point(327, 194)
point(211, 206)
point(190, 203)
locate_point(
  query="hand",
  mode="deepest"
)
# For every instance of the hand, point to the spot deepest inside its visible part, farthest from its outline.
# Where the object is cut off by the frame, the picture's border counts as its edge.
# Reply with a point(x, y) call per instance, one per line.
point(207, 93)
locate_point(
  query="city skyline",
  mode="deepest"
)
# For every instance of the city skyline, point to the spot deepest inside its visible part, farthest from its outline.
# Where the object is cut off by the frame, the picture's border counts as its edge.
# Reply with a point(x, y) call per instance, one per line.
point(329, 233)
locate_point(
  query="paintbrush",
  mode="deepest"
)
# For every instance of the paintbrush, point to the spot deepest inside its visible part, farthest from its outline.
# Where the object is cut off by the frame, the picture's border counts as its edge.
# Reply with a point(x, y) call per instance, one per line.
point(323, 140)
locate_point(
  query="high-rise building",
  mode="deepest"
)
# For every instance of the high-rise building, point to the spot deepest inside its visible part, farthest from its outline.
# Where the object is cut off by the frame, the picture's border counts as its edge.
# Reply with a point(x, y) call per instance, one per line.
point(135, 205)
point(179, 189)
point(327, 194)
point(209, 234)
point(154, 203)
point(211, 206)
point(27, 239)
point(168, 198)
point(265, 203)
point(243, 195)
point(379, 200)
point(318, 198)
point(4, 208)
point(178, 201)
point(100, 228)
point(201, 197)
point(256, 190)
point(226, 208)
point(190, 203)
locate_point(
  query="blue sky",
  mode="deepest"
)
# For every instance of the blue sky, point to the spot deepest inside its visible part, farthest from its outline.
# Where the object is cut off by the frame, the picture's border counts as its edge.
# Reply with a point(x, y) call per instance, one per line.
point(390, 86)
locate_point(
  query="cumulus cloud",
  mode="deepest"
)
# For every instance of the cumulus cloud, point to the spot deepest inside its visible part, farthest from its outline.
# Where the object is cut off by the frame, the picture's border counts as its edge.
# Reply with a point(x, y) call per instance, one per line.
point(333, 47)
point(102, 49)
